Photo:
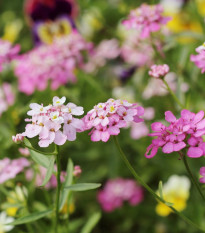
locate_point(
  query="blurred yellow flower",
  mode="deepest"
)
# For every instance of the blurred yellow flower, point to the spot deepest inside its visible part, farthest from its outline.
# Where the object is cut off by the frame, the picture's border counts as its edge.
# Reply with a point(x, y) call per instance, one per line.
point(175, 191)
point(201, 7)
point(12, 30)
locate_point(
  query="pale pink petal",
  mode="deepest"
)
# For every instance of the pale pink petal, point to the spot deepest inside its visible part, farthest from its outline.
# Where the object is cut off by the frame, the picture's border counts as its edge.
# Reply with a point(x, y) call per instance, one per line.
point(60, 138)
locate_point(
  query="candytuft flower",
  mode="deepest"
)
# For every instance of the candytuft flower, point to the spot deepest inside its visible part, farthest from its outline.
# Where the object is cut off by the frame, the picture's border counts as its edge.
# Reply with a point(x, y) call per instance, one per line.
point(54, 123)
point(187, 131)
point(202, 173)
point(146, 19)
point(107, 118)
point(199, 59)
point(159, 71)
point(18, 138)
point(117, 191)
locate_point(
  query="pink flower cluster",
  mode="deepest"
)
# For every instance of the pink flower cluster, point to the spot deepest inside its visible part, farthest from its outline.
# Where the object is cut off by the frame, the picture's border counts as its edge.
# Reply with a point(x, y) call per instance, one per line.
point(146, 19)
point(159, 71)
point(107, 118)
point(54, 123)
point(39, 177)
point(106, 50)
point(202, 173)
point(118, 191)
point(187, 131)
point(199, 59)
point(56, 62)
point(7, 97)
point(10, 168)
point(7, 53)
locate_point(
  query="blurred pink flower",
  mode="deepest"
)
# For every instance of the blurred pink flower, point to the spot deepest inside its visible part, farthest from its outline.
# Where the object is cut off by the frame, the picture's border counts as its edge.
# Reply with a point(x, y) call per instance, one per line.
point(7, 53)
point(187, 131)
point(202, 173)
point(77, 171)
point(7, 97)
point(159, 71)
point(56, 62)
point(10, 168)
point(117, 191)
point(107, 118)
point(106, 50)
point(146, 19)
point(53, 123)
point(24, 151)
point(199, 59)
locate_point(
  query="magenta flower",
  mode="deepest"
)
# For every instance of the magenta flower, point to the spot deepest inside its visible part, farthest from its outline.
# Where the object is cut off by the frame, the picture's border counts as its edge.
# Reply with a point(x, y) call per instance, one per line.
point(7, 53)
point(60, 60)
point(187, 131)
point(202, 173)
point(159, 71)
point(10, 168)
point(107, 118)
point(117, 191)
point(199, 59)
point(53, 123)
point(146, 19)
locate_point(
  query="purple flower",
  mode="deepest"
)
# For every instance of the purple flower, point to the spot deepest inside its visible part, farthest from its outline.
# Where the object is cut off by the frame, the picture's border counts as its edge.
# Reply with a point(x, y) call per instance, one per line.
point(202, 173)
point(187, 131)
point(117, 191)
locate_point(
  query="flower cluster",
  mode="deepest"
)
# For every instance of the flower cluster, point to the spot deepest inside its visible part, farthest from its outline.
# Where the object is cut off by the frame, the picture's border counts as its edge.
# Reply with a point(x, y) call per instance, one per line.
point(56, 62)
point(10, 168)
point(107, 118)
point(159, 71)
point(187, 131)
point(7, 97)
point(118, 191)
point(47, 122)
point(146, 19)
point(175, 191)
point(7, 53)
point(199, 59)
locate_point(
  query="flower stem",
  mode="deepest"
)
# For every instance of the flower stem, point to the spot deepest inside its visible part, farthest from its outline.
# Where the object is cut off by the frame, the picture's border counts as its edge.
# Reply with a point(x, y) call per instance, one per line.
point(58, 189)
point(139, 179)
point(173, 95)
point(194, 181)
point(38, 151)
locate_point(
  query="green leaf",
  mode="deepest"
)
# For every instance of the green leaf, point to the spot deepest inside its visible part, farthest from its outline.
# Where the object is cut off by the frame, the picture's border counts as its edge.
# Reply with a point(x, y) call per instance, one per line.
point(83, 186)
point(31, 218)
point(160, 190)
point(91, 223)
point(41, 159)
point(68, 181)
point(49, 170)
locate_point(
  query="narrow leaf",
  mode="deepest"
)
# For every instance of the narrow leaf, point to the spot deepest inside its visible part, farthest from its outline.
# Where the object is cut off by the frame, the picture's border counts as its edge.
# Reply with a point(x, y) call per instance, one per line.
point(68, 181)
point(41, 159)
point(31, 218)
point(49, 170)
point(91, 223)
point(83, 186)
point(169, 203)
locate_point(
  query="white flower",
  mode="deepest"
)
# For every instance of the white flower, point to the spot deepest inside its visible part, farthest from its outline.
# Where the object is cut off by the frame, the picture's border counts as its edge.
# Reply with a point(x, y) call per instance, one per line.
point(74, 109)
point(4, 219)
point(57, 101)
point(55, 117)
point(36, 109)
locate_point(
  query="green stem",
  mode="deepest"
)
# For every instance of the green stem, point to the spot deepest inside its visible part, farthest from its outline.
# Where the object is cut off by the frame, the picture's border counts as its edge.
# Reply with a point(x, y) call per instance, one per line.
point(58, 190)
point(173, 95)
point(194, 181)
point(38, 151)
point(139, 179)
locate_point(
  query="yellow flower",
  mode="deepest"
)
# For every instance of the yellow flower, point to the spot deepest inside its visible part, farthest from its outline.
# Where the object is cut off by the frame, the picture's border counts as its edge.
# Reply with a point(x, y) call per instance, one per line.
point(201, 7)
point(12, 30)
point(175, 191)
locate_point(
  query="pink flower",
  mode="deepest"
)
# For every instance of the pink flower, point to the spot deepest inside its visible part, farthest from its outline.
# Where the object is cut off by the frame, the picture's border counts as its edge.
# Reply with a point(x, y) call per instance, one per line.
point(107, 118)
point(199, 59)
point(60, 61)
point(202, 173)
point(77, 171)
point(117, 191)
point(54, 123)
point(159, 71)
point(146, 19)
point(187, 131)
point(18, 138)
point(7, 53)
point(10, 168)
point(24, 151)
